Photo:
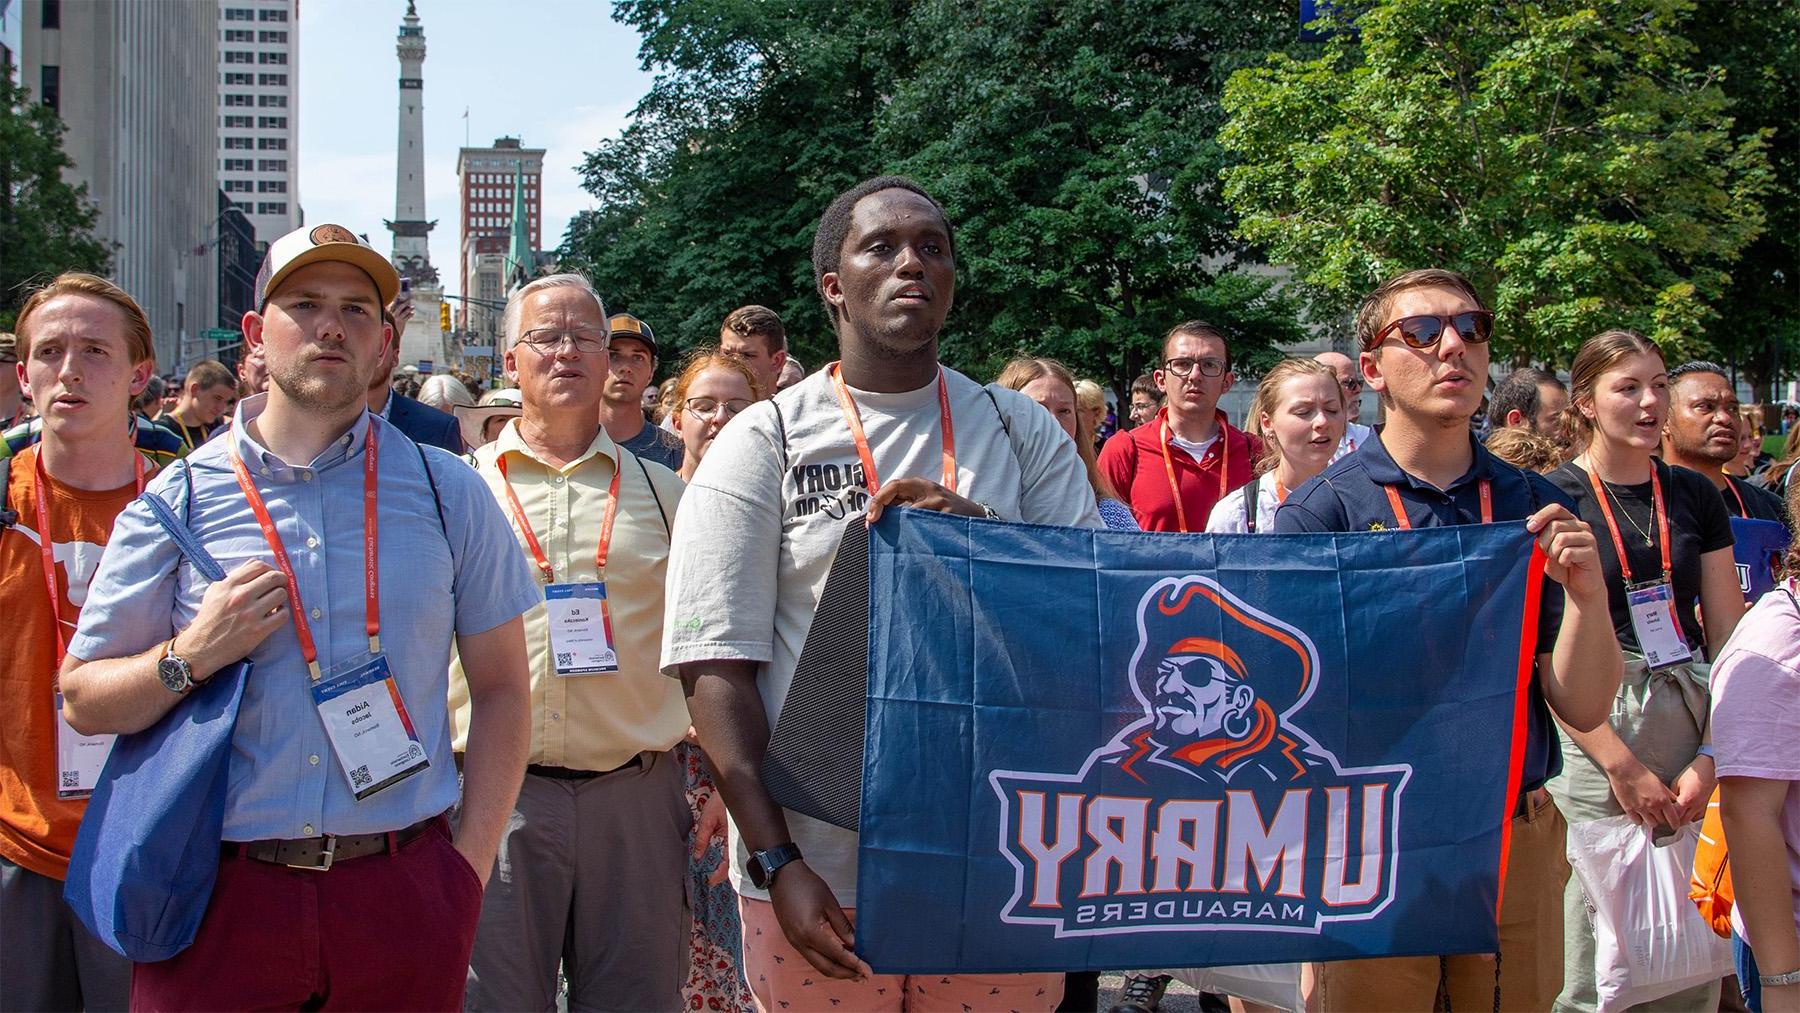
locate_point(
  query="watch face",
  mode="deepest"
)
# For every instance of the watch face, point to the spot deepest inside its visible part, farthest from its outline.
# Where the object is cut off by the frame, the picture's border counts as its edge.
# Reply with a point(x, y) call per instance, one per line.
point(174, 674)
point(758, 876)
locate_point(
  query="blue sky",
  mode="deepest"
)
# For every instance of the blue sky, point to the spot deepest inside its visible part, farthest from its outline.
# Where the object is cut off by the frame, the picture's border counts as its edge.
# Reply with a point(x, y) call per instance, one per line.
point(559, 74)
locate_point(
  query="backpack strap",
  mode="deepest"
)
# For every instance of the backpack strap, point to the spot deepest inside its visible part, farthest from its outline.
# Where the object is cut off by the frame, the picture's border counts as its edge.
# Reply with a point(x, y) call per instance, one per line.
point(653, 493)
point(1251, 498)
point(8, 516)
point(436, 500)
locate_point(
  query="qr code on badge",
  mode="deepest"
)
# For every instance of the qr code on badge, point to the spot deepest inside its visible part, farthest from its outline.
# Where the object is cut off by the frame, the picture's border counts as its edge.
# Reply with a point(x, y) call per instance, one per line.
point(71, 779)
point(564, 659)
point(359, 778)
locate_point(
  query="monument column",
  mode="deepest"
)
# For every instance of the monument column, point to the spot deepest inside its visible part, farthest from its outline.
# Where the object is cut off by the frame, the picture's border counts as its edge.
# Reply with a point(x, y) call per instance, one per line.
point(423, 341)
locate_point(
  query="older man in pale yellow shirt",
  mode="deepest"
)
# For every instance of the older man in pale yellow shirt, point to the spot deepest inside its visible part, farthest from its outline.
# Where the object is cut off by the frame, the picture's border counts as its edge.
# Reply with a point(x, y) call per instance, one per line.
point(592, 868)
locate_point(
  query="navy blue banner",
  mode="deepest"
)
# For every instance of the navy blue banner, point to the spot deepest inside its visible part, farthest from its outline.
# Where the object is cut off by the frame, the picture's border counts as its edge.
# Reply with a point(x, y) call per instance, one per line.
point(1757, 546)
point(1096, 750)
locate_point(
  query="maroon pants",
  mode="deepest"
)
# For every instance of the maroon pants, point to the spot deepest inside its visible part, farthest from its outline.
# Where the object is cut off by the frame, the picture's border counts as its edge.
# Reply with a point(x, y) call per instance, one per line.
point(384, 932)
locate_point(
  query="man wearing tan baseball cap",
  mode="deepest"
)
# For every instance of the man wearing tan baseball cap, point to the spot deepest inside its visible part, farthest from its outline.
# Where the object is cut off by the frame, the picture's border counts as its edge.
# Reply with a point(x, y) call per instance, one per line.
point(327, 242)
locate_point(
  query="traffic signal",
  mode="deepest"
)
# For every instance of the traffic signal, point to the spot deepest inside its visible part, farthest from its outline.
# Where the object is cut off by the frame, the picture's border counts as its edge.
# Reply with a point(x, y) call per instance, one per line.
point(444, 316)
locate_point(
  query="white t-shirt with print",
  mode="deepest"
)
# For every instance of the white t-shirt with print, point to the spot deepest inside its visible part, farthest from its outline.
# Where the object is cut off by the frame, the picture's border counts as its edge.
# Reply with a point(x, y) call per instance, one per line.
point(760, 523)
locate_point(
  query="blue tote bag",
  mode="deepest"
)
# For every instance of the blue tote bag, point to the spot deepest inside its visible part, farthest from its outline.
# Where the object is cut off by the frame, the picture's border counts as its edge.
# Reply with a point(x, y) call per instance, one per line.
point(147, 852)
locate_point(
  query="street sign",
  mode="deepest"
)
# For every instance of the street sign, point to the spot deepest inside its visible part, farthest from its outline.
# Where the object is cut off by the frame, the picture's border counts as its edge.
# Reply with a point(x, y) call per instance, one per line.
point(220, 334)
point(424, 365)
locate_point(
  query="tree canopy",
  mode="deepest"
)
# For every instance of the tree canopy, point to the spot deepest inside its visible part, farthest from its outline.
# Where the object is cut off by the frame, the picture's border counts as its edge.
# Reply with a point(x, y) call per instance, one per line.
point(1071, 144)
point(1580, 162)
point(46, 225)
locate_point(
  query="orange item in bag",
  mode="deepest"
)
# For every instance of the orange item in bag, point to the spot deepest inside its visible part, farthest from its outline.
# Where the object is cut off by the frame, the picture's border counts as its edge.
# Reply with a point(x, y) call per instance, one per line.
point(1710, 886)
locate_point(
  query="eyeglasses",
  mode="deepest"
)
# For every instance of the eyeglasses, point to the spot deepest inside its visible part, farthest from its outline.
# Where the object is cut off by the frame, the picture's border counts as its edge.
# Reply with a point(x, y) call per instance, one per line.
point(1473, 326)
point(707, 408)
point(1352, 384)
point(1184, 367)
point(546, 340)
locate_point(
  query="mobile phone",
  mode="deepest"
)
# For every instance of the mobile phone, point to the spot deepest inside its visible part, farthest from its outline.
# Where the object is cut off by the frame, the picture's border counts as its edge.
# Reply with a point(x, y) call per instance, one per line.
point(405, 285)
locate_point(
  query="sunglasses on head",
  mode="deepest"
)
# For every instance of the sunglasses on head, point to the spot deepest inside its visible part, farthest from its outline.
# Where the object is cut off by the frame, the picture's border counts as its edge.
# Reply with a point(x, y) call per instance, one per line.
point(1473, 327)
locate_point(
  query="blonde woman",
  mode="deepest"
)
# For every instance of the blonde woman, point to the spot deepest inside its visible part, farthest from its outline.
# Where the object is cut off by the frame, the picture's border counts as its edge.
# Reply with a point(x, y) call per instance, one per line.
point(1051, 385)
point(1299, 413)
point(1665, 544)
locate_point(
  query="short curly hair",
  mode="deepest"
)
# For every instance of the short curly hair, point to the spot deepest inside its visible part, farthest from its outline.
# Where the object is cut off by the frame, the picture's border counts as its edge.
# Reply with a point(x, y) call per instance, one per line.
point(834, 226)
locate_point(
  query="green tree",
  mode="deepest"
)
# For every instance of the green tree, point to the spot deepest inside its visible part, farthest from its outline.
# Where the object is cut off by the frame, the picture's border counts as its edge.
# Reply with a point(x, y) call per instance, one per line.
point(1073, 145)
point(46, 225)
point(1758, 45)
point(1070, 142)
point(1570, 158)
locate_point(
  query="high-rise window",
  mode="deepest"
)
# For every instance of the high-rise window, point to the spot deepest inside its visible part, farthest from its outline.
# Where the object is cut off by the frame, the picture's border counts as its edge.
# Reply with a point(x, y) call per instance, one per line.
point(237, 165)
point(232, 122)
point(273, 15)
point(271, 80)
point(279, 37)
point(271, 186)
point(237, 186)
point(272, 208)
point(272, 101)
point(50, 85)
point(275, 58)
point(239, 77)
point(269, 143)
point(237, 143)
point(272, 122)
point(52, 14)
point(238, 56)
point(235, 99)
point(270, 165)
point(237, 14)
point(239, 35)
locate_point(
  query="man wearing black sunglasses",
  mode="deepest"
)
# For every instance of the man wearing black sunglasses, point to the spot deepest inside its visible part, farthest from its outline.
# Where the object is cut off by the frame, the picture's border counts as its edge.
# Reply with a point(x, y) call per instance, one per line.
point(1174, 468)
point(1424, 341)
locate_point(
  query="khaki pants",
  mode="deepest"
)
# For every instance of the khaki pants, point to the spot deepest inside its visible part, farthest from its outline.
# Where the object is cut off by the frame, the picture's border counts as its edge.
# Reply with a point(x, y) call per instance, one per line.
point(1528, 973)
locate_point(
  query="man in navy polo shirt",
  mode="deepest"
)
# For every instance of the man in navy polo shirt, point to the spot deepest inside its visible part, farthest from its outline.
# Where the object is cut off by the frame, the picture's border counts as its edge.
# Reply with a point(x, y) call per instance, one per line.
point(1424, 338)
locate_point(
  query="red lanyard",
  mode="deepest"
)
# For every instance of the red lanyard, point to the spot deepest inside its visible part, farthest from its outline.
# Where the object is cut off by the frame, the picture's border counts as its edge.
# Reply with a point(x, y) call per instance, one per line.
point(371, 579)
point(848, 406)
point(1399, 508)
point(1181, 522)
point(545, 570)
point(46, 547)
point(1743, 511)
point(1612, 526)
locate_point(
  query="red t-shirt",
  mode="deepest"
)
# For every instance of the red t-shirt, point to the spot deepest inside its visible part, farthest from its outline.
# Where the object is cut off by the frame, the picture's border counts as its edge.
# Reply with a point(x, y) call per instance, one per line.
point(37, 829)
point(1133, 461)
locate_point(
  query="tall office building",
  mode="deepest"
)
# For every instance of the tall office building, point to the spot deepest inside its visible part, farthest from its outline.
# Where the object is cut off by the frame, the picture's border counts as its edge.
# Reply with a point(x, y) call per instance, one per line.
point(137, 85)
point(259, 112)
point(11, 32)
point(485, 177)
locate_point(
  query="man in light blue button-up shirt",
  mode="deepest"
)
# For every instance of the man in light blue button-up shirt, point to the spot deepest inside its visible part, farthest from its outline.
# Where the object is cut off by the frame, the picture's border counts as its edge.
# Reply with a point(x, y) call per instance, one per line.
point(448, 569)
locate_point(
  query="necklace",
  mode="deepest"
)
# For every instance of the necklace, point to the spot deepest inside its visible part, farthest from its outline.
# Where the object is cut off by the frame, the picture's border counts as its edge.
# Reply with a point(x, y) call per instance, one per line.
point(1643, 532)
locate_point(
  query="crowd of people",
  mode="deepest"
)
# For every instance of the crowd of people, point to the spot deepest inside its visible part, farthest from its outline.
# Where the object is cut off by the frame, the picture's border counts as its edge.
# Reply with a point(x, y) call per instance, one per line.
point(582, 597)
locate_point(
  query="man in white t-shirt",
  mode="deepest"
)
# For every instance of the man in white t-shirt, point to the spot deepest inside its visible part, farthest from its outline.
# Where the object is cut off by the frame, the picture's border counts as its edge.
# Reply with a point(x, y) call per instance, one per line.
point(759, 528)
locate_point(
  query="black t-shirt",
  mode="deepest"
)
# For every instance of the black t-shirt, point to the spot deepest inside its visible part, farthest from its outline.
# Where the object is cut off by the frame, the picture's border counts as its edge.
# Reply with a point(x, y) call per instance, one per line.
point(1698, 524)
point(1753, 502)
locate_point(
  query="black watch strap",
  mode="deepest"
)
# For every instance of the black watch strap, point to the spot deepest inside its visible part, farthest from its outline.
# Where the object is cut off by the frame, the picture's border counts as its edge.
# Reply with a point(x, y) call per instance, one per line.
point(764, 865)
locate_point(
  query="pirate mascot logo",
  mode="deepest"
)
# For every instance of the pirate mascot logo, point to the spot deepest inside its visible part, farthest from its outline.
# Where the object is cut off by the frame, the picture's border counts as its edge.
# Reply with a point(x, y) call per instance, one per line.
point(1213, 808)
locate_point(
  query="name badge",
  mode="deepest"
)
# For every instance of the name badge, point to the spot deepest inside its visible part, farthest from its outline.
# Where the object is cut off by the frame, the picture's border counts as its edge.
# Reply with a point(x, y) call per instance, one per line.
point(1654, 622)
point(581, 639)
point(367, 723)
point(78, 757)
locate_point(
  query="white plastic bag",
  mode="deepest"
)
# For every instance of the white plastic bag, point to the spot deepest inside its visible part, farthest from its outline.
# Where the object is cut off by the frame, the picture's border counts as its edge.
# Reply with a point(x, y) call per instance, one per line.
point(1652, 940)
point(1276, 985)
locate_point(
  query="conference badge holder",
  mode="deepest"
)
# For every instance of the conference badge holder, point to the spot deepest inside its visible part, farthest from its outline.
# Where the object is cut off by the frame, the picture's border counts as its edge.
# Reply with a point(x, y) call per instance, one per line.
point(79, 757)
point(581, 640)
point(366, 720)
point(1658, 631)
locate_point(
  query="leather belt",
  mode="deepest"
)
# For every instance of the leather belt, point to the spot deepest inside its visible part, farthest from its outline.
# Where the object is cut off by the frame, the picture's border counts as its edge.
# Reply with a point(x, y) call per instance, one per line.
point(571, 774)
point(321, 853)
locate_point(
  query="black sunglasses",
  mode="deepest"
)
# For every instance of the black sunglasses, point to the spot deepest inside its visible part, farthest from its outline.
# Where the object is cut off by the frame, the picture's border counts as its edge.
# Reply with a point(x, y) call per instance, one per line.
point(1473, 327)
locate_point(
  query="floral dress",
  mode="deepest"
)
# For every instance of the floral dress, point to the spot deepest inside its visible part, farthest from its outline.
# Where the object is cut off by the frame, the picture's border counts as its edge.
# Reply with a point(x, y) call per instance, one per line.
point(715, 963)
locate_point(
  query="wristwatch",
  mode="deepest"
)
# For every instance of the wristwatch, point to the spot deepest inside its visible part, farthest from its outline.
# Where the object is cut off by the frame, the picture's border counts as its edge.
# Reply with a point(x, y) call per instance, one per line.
point(763, 865)
point(173, 670)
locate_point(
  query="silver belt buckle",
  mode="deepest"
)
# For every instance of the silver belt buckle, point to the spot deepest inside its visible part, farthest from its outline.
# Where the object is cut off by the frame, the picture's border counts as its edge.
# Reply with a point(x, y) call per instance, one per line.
point(325, 856)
